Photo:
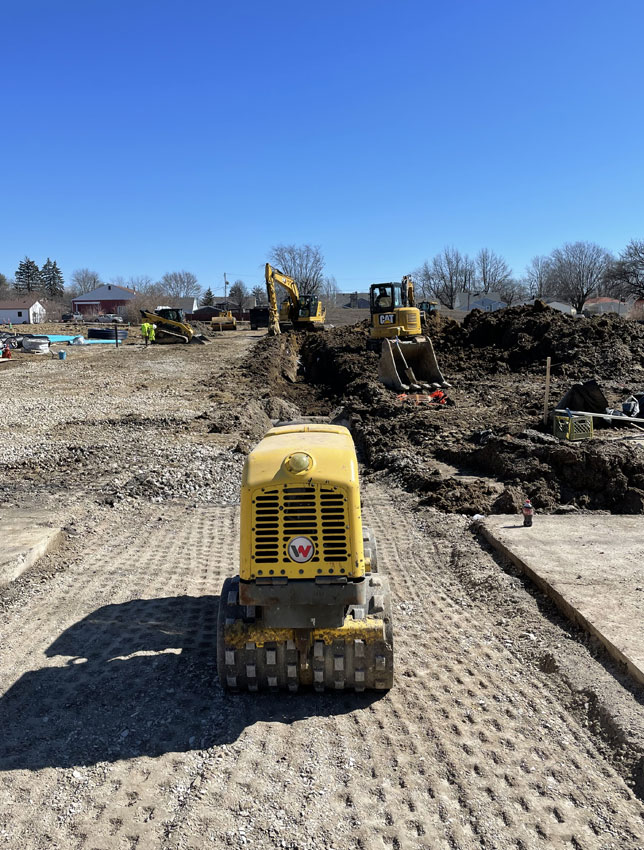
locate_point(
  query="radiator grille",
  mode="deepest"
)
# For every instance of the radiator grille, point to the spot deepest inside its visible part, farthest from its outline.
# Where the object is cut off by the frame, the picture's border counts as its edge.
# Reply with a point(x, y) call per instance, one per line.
point(283, 513)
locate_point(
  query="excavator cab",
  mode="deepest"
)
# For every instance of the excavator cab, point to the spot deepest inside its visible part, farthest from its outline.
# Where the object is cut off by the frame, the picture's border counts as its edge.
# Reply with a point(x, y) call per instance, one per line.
point(385, 297)
point(391, 313)
point(308, 306)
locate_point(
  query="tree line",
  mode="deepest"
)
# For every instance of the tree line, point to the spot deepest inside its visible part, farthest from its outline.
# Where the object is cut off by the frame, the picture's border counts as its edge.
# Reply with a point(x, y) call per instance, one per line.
point(572, 273)
point(29, 278)
point(304, 263)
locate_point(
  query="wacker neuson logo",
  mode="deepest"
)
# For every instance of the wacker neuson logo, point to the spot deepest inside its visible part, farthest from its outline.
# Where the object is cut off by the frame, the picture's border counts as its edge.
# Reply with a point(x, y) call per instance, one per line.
point(301, 550)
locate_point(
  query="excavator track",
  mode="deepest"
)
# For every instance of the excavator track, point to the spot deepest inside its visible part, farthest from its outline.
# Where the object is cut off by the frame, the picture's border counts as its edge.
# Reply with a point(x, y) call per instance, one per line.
point(356, 656)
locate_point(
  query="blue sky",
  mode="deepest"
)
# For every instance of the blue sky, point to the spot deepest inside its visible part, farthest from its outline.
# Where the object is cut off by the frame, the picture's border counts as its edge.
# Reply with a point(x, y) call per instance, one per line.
point(142, 137)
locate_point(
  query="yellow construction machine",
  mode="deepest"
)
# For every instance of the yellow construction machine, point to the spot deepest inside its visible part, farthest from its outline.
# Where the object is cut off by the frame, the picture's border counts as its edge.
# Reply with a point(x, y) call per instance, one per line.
point(407, 359)
point(427, 308)
point(302, 312)
point(171, 326)
point(223, 321)
point(308, 606)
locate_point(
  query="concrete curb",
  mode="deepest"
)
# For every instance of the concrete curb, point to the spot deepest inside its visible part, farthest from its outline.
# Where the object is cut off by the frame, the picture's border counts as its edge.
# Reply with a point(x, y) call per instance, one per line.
point(562, 594)
point(24, 539)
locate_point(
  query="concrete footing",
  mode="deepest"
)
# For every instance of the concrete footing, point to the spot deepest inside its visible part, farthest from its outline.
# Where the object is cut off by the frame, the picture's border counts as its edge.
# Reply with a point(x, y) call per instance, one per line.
point(593, 569)
point(24, 538)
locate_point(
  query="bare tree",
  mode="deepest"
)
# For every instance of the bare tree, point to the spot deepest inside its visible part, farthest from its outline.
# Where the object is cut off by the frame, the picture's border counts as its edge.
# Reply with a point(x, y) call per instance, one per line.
point(259, 294)
point(305, 264)
point(329, 291)
point(492, 271)
point(181, 284)
point(625, 276)
point(84, 280)
point(238, 294)
point(447, 274)
point(512, 291)
point(538, 278)
point(140, 283)
point(577, 270)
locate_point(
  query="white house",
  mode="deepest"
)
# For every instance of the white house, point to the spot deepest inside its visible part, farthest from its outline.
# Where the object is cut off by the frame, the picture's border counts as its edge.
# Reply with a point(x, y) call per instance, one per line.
point(22, 311)
point(562, 307)
point(486, 301)
point(188, 305)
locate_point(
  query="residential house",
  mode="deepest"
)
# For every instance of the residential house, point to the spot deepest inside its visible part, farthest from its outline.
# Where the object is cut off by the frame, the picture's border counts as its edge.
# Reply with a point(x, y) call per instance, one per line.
point(597, 306)
point(188, 305)
point(486, 301)
point(357, 300)
point(108, 298)
point(22, 311)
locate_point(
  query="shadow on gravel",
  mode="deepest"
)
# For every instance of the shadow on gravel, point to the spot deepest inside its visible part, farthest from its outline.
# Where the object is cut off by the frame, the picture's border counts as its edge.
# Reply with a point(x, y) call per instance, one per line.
point(139, 679)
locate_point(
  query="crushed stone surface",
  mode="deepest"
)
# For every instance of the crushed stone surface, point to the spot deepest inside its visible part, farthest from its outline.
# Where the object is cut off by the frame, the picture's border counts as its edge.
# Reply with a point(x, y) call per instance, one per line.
point(506, 727)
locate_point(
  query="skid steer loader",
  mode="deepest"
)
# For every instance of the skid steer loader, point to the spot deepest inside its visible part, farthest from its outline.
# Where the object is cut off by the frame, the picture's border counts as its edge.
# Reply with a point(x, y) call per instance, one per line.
point(308, 607)
point(407, 359)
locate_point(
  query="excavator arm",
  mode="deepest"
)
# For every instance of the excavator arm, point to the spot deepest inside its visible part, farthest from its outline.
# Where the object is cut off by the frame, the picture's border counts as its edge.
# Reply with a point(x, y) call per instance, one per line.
point(274, 276)
point(407, 287)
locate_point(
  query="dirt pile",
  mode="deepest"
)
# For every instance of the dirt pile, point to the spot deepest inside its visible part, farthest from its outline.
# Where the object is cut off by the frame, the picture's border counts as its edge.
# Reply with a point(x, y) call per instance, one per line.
point(521, 338)
point(492, 436)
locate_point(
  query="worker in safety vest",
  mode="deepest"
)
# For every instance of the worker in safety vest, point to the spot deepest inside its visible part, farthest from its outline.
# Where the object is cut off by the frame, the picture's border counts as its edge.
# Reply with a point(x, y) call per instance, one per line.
point(151, 333)
point(145, 332)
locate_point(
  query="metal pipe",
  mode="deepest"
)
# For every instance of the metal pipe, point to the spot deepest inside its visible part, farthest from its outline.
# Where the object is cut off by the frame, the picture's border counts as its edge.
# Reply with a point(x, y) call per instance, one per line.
point(599, 415)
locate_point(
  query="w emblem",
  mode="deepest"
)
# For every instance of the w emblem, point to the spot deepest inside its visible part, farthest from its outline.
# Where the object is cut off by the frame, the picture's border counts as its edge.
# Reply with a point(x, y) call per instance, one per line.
point(301, 550)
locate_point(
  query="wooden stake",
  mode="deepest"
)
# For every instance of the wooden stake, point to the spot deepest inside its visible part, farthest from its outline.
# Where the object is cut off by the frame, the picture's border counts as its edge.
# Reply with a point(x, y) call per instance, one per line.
point(545, 401)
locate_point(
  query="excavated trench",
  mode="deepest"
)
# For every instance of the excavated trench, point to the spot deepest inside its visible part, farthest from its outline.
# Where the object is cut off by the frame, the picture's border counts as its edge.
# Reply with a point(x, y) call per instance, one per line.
point(491, 434)
point(487, 450)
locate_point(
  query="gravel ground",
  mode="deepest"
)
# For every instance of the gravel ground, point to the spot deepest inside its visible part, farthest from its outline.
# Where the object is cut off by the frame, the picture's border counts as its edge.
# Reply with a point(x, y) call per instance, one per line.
point(505, 728)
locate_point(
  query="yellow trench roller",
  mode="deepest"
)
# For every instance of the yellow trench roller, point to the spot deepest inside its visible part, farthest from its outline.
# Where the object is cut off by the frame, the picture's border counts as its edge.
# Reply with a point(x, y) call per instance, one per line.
point(308, 606)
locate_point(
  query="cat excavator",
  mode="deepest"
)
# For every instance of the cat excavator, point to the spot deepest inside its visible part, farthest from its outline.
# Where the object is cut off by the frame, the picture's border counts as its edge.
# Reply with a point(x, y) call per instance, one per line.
point(171, 326)
point(407, 359)
point(301, 312)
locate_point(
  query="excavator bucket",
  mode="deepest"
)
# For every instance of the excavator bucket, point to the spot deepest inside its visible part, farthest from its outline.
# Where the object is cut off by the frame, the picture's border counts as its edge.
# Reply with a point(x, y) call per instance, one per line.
point(409, 364)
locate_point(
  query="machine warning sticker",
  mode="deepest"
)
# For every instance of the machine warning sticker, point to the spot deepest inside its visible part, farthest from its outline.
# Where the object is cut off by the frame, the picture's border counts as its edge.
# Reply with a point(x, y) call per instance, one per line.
point(301, 550)
point(386, 318)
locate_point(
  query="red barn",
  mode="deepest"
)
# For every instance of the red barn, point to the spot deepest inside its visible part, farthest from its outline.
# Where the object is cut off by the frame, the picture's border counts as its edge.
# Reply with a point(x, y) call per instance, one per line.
point(108, 298)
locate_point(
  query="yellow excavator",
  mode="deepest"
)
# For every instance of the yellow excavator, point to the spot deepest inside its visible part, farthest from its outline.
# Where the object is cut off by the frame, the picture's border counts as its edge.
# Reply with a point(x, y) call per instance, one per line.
point(308, 607)
point(301, 312)
point(171, 326)
point(407, 359)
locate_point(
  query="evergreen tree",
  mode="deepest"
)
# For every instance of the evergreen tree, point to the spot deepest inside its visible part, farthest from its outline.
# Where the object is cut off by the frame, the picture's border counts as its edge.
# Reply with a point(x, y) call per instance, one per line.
point(27, 277)
point(208, 299)
point(53, 284)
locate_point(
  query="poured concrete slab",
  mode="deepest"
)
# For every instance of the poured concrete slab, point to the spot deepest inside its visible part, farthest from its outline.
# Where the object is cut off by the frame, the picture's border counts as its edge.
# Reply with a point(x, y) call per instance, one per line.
point(593, 569)
point(24, 538)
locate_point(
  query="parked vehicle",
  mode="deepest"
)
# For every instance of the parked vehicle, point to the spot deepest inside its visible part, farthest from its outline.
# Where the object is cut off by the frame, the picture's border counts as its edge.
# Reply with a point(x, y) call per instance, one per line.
point(72, 317)
point(110, 317)
point(258, 318)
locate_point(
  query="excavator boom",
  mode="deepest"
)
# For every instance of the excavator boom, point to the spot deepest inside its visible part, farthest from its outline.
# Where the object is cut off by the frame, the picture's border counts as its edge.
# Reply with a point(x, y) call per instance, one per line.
point(300, 311)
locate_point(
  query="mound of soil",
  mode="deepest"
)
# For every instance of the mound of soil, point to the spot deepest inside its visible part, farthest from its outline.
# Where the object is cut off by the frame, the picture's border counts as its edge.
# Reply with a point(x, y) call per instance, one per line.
point(521, 338)
point(494, 427)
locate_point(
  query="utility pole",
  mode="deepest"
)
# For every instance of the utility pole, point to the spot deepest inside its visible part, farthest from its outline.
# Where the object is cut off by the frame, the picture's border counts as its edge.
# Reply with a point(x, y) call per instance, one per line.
point(225, 289)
